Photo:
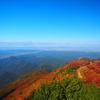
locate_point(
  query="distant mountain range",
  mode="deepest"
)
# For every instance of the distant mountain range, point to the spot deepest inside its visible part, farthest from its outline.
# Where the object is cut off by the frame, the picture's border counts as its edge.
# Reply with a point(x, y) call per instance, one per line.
point(75, 80)
point(13, 67)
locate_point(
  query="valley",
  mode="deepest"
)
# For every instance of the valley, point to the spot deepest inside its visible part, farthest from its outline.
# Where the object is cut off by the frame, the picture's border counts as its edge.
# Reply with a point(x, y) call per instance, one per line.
point(13, 67)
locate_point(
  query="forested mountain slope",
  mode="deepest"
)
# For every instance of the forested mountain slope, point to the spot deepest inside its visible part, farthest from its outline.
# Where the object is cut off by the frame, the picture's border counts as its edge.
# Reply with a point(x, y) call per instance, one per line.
point(76, 80)
point(22, 83)
point(11, 68)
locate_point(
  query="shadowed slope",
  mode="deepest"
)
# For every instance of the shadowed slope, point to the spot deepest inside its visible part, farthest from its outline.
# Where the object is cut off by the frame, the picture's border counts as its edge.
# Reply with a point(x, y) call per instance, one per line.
point(25, 81)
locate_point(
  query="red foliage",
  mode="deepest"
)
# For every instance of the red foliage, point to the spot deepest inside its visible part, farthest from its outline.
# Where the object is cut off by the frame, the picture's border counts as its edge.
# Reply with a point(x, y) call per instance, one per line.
point(90, 67)
point(31, 81)
point(18, 98)
point(93, 74)
point(98, 64)
point(79, 62)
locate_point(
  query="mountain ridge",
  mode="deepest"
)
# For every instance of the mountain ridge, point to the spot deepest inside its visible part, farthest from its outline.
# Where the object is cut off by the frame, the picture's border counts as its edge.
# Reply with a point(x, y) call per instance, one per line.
point(85, 69)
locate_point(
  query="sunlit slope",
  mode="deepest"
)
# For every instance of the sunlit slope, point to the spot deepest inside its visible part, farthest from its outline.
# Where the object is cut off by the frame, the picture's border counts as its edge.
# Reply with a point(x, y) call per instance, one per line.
point(83, 71)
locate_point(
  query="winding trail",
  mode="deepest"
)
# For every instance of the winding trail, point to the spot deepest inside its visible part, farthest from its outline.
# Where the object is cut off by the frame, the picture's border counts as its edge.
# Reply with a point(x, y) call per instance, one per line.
point(80, 72)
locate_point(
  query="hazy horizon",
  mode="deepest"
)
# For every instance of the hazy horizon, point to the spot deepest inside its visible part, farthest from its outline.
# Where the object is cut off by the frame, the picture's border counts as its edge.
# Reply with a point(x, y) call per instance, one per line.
point(83, 49)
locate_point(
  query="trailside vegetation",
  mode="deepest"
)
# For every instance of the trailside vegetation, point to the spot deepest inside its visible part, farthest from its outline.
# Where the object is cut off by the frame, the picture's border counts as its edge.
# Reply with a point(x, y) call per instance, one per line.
point(66, 89)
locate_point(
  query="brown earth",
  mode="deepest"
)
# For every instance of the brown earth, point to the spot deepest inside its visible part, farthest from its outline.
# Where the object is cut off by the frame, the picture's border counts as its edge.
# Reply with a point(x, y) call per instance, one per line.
point(81, 71)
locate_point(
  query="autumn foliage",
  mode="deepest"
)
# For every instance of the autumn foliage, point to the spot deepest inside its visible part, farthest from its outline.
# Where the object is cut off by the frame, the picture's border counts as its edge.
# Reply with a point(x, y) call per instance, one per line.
point(92, 75)
point(31, 81)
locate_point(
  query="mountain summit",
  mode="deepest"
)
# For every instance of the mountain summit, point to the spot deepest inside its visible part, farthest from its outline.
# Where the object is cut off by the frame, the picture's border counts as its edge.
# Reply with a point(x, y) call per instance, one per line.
point(75, 80)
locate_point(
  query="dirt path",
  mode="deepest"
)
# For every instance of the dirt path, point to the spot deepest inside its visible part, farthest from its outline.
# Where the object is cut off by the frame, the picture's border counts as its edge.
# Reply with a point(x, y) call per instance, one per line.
point(80, 72)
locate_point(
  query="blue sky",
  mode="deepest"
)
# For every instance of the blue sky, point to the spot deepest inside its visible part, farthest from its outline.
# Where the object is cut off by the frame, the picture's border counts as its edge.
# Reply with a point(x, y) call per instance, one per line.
point(34, 23)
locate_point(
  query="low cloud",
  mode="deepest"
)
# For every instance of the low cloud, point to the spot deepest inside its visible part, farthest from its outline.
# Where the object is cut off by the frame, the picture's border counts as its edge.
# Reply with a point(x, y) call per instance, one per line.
point(43, 44)
point(30, 43)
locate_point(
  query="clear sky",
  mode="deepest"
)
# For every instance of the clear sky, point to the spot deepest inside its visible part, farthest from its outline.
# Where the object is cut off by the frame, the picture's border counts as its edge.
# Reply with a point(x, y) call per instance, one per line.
point(31, 23)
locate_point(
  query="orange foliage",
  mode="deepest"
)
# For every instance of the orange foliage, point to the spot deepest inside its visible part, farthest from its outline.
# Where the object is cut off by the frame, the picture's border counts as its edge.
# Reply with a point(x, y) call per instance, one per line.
point(22, 84)
point(27, 83)
point(18, 98)
point(92, 76)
